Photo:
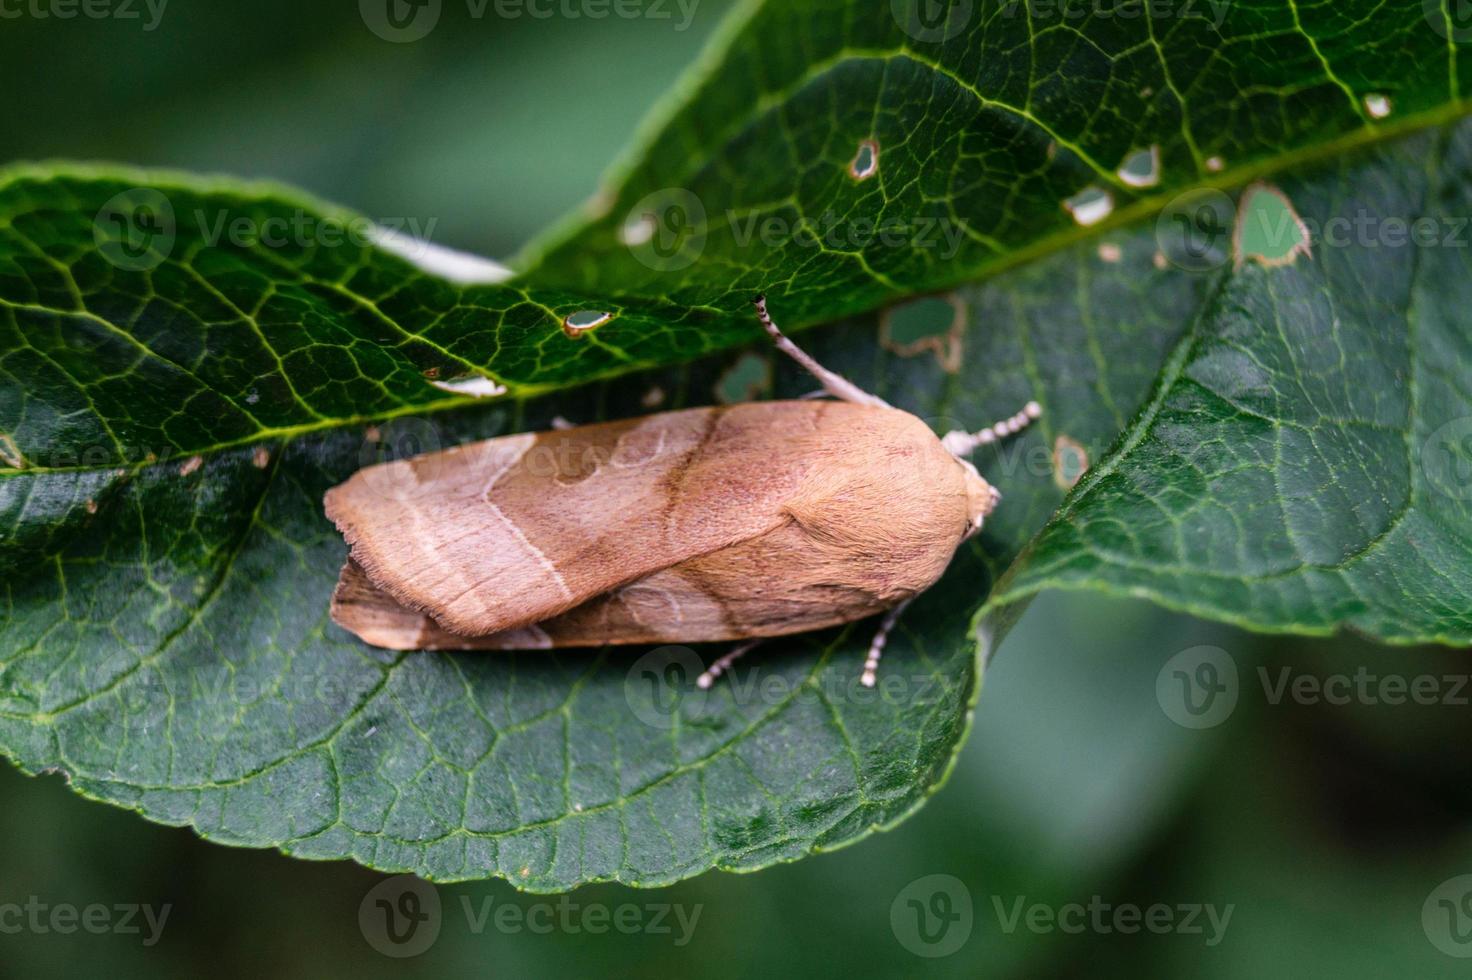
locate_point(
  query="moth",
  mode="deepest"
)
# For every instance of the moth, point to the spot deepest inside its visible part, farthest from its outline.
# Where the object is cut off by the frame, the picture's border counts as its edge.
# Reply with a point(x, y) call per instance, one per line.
point(729, 523)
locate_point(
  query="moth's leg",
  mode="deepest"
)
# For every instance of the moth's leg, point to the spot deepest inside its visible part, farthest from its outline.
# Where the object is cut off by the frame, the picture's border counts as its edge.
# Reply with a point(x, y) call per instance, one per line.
point(835, 384)
point(962, 443)
point(716, 669)
point(881, 637)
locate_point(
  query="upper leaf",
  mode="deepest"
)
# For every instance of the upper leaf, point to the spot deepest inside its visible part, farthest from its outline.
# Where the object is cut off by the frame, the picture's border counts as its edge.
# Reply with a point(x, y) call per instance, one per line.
point(843, 155)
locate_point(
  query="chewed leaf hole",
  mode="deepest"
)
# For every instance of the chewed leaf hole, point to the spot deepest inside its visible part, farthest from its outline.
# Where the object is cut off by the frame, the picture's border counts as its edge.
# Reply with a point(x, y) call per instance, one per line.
point(10, 453)
point(1141, 168)
point(1377, 105)
point(865, 163)
point(1089, 206)
point(474, 385)
point(746, 380)
point(930, 323)
point(1268, 230)
point(579, 323)
point(1070, 462)
point(1215, 164)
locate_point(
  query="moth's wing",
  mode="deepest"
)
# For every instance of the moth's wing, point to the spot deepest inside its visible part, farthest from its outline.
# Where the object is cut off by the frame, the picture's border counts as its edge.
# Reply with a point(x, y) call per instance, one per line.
point(777, 583)
point(848, 546)
point(375, 617)
point(513, 531)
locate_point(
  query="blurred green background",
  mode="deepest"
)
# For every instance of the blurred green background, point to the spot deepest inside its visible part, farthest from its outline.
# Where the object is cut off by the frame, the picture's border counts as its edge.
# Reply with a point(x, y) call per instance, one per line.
point(1325, 827)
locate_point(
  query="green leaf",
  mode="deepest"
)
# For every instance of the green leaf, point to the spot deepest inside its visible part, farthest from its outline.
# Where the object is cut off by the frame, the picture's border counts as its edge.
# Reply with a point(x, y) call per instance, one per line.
point(174, 399)
point(987, 116)
point(1305, 462)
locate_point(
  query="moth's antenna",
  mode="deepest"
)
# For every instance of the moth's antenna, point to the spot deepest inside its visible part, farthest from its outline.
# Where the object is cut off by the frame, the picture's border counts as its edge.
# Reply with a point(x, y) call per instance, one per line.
point(962, 443)
point(835, 384)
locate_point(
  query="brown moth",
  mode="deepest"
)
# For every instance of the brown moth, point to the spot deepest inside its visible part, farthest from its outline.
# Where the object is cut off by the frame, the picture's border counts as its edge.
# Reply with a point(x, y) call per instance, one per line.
point(708, 524)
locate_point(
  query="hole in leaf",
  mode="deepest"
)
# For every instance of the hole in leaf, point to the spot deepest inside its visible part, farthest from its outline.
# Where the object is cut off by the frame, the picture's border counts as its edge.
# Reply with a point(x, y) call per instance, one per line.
point(1268, 230)
point(579, 323)
point(10, 452)
point(475, 385)
point(1215, 164)
point(930, 323)
point(1141, 168)
point(1089, 206)
point(744, 381)
point(1070, 462)
point(866, 161)
point(1377, 105)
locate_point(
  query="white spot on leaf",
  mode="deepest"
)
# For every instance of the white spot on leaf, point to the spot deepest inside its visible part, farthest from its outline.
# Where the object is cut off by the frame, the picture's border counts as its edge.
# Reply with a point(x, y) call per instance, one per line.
point(865, 163)
point(476, 386)
point(579, 323)
point(1141, 168)
point(1089, 206)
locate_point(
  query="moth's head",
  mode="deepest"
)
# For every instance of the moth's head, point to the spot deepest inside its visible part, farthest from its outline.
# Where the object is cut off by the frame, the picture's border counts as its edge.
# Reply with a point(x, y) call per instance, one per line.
point(981, 497)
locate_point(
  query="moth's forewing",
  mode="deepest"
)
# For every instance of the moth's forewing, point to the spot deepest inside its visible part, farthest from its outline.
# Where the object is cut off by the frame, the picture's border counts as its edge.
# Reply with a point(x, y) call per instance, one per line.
point(708, 524)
